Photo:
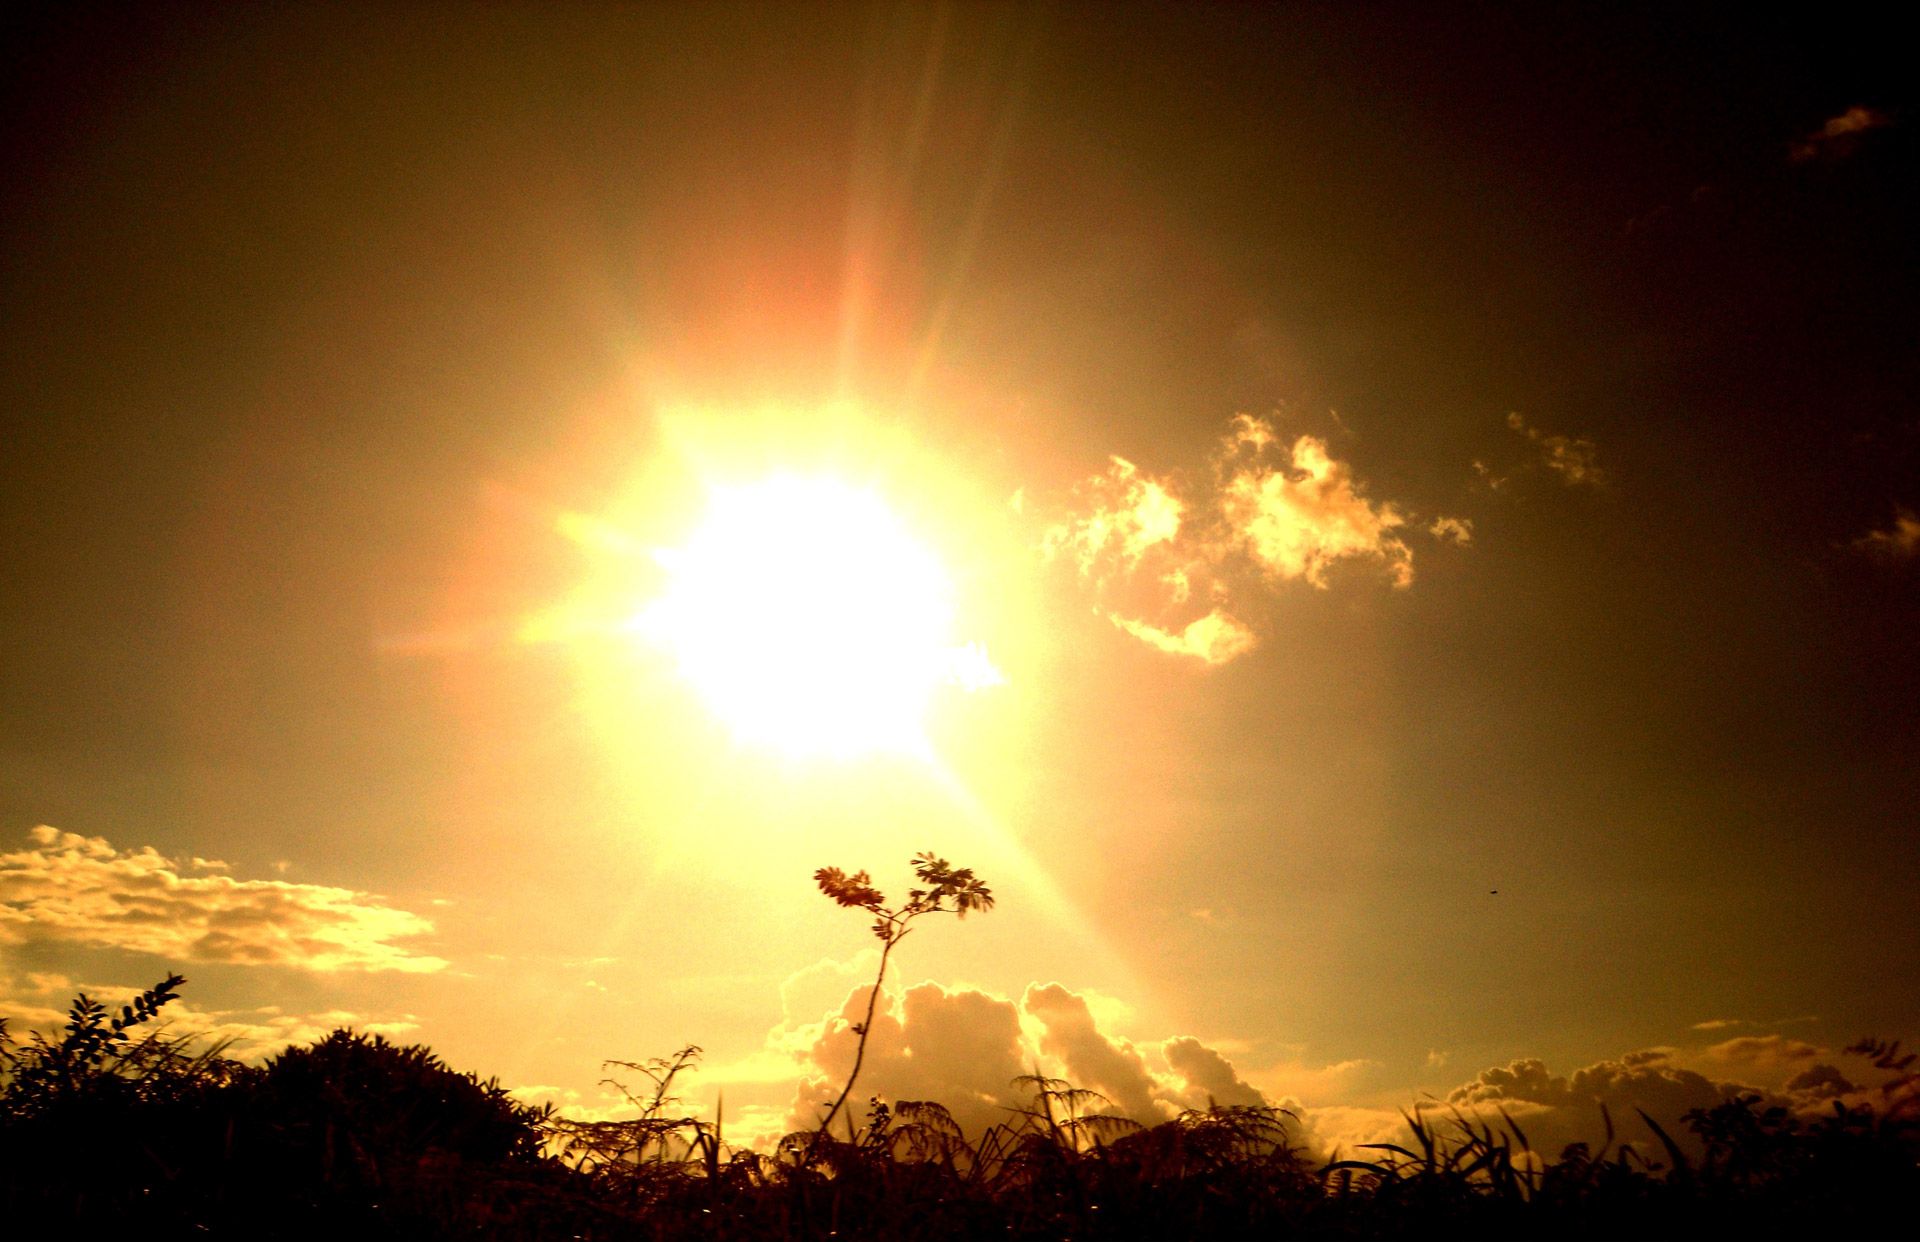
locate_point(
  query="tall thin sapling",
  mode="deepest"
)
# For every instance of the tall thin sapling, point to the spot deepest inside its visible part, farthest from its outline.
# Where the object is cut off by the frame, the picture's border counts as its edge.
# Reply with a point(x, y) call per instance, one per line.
point(947, 888)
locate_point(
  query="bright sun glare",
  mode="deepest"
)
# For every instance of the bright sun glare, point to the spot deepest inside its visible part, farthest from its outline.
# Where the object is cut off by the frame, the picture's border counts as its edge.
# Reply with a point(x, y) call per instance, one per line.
point(810, 619)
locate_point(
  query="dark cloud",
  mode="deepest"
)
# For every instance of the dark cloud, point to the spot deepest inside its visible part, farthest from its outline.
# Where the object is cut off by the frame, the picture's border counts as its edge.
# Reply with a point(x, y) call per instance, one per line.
point(1840, 136)
point(1900, 541)
point(1574, 459)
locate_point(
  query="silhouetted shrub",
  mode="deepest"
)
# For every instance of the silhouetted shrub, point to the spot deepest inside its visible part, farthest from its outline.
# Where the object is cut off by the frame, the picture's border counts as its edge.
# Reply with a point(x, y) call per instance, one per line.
point(116, 1128)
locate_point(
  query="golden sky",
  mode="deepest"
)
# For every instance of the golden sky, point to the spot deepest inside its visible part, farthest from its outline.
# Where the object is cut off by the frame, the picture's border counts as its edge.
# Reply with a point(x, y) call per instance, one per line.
point(1388, 540)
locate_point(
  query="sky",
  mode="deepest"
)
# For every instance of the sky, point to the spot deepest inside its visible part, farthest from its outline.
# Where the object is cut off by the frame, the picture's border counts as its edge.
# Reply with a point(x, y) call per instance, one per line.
point(1386, 534)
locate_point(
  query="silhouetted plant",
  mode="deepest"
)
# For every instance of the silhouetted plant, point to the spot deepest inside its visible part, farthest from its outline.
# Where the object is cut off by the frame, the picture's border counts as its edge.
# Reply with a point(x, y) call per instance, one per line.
point(946, 889)
point(1069, 1117)
point(108, 1115)
point(94, 1047)
point(641, 1158)
point(356, 1109)
point(111, 1126)
point(1901, 1091)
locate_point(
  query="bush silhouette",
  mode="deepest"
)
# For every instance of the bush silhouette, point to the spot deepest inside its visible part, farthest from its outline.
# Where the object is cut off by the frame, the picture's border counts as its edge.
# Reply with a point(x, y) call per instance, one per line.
point(357, 1106)
point(113, 1127)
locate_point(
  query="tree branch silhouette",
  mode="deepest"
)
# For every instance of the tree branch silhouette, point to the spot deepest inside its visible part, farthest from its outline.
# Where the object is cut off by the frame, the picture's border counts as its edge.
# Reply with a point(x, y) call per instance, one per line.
point(947, 889)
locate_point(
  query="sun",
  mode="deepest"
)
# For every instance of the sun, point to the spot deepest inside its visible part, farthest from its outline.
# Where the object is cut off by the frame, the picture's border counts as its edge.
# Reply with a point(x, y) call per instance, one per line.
point(810, 619)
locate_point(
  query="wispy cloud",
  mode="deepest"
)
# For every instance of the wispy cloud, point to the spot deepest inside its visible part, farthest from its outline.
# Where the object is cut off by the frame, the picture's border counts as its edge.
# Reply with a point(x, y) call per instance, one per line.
point(1574, 459)
point(66, 888)
point(1181, 563)
point(1838, 137)
point(1766, 1058)
point(1314, 1082)
point(1120, 516)
point(1900, 541)
point(1213, 639)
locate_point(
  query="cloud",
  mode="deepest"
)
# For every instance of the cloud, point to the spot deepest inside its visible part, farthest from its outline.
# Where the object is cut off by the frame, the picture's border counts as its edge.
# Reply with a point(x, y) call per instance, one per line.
point(1898, 542)
point(1204, 1070)
point(1838, 138)
point(1555, 1111)
point(1092, 1059)
point(1213, 639)
point(71, 889)
point(1573, 459)
point(1124, 514)
point(963, 1048)
point(1317, 1084)
point(1299, 518)
point(1182, 564)
point(1765, 1059)
point(1822, 1084)
point(1457, 531)
point(1665, 1082)
point(1334, 1131)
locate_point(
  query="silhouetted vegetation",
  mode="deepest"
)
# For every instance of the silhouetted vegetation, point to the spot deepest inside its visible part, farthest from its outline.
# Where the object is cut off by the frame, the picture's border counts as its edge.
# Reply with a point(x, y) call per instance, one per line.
point(116, 1128)
point(947, 889)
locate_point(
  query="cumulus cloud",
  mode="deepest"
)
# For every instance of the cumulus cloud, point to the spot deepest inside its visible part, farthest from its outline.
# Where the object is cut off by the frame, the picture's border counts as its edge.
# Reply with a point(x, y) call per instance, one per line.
point(1665, 1082)
point(1301, 516)
point(1091, 1058)
point(1557, 1110)
point(1574, 459)
point(964, 1047)
point(1457, 531)
point(1839, 136)
point(1204, 1070)
point(1180, 564)
point(66, 888)
point(1898, 542)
